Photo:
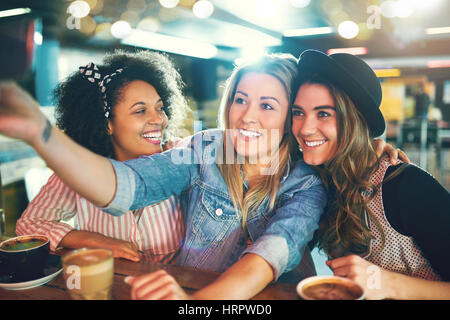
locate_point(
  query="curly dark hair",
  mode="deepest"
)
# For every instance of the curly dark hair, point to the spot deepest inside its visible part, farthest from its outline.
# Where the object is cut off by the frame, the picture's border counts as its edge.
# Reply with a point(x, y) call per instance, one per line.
point(79, 104)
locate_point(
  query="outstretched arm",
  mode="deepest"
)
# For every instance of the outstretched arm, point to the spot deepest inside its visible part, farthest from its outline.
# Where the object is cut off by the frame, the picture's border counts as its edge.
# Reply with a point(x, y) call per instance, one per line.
point(251, 270)
point(89, 174)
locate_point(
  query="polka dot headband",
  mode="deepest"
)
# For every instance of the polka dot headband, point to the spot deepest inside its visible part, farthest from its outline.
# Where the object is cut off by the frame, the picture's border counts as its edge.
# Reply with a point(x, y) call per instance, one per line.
point(92, 74)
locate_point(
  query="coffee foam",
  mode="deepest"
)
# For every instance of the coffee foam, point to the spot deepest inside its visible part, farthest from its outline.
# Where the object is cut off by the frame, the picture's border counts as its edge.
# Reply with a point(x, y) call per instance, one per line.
point(91, 261)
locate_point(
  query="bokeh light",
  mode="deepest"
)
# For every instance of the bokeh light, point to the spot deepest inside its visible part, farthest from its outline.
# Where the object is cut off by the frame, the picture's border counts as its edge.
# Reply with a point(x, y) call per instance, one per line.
point(79, 9)
point(132, 17)
point(203, 9)
point(266, 9)
point(389, 9)
point(96, 6)
point(38, 38)
point(405, 8)
point(103, 31)
point(120, 29)
point(87, 25)
point(169, 3)
point(348, 29)
point(136, 5)
point(148, 24)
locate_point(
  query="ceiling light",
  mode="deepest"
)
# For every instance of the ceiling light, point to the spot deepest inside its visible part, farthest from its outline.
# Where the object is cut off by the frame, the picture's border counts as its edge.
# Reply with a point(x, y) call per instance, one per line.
point(14, 12)
point(160, 42)
point(437, 30)
point(356, 51)
point(307, 32)
point(203, 9)
point(250, 54)
point(348, 29)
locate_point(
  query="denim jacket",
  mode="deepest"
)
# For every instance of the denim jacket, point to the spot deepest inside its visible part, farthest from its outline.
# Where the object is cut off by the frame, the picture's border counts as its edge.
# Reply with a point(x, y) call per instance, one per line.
point(214, 237)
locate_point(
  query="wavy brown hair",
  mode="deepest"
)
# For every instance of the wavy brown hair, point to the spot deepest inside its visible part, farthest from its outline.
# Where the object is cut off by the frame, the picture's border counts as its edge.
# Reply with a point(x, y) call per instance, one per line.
point(347, 175)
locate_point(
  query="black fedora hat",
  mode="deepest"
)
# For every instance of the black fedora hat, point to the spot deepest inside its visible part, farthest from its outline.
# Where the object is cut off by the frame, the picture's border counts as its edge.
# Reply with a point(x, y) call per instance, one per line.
point(352, 75)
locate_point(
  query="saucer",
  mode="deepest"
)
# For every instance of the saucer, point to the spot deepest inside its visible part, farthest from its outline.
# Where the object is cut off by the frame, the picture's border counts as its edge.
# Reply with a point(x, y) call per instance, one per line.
point(52, 268)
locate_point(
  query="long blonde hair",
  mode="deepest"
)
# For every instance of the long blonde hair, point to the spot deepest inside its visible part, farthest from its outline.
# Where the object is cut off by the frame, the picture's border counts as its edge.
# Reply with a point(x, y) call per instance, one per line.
point(282, 67)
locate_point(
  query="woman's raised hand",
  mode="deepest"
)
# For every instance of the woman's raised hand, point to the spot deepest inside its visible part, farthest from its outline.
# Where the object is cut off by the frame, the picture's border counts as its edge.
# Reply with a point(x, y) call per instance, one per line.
point(20, 116)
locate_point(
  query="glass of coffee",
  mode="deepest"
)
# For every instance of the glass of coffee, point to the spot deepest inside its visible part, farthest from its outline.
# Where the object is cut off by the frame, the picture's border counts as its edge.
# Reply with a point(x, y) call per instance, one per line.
point(89, 273)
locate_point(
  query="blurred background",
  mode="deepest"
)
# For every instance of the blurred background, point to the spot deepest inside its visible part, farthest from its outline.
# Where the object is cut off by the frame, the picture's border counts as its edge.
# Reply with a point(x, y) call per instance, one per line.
point(407, 42)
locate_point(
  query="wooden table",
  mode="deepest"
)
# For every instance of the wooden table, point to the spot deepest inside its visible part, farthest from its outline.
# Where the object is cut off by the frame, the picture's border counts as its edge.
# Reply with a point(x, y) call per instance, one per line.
point(189, 278)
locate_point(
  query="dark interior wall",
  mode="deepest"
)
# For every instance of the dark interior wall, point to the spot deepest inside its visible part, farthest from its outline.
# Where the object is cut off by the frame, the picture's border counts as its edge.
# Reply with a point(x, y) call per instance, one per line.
point(204, 79)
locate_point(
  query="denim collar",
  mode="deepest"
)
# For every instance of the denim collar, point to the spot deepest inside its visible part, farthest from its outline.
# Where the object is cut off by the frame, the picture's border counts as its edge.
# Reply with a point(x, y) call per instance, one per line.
point(283, 179)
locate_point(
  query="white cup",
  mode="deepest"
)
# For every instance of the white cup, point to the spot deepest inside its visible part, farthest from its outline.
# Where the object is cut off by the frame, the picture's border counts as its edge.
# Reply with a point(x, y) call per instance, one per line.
point(329, 288)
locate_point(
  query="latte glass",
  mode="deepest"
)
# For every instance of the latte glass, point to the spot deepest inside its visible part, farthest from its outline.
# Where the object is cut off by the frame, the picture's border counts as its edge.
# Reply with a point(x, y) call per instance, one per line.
point(89, 273)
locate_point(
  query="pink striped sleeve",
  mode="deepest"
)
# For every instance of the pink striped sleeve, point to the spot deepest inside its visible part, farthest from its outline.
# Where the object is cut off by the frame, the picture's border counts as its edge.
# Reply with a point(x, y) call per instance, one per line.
point(177, 222)
point(169, 232)
point(161, 228)
point(55, 202)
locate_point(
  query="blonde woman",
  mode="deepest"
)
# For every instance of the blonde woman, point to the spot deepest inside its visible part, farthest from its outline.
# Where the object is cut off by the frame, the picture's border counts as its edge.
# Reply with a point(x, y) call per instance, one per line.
point(249, 220)
point(386, 227)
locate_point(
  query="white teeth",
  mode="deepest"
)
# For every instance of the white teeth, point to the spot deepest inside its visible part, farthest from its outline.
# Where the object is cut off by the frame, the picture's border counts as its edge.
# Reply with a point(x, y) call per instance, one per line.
point(314, 143)
point(249, 133)
point(153, 135)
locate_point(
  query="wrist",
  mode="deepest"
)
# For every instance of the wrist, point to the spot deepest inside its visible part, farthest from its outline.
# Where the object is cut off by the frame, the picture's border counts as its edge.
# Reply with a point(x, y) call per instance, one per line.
point(41, 135)
point(390, 288)
point(78, 239)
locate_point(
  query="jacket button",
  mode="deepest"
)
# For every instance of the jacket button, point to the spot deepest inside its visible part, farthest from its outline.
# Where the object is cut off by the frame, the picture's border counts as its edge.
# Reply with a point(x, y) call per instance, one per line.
point(219, 212)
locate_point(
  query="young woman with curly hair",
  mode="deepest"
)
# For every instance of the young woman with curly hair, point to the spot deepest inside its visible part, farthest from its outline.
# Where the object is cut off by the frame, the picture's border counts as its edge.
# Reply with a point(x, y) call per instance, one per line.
point(123, 109)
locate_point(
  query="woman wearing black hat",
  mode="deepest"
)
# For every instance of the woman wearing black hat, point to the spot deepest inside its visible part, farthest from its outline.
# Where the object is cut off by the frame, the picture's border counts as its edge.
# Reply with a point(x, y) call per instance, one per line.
point(386, 226)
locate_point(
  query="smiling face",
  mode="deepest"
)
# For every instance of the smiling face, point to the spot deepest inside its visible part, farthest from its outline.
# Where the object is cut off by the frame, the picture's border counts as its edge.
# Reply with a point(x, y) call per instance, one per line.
point(257, 115)
point(138, 124)
point(314, 123)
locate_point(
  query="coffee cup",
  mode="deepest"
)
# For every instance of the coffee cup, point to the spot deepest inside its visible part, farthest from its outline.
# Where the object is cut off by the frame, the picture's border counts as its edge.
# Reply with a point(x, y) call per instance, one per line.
point(329, 288)
point(89, 273)
point(24, 257)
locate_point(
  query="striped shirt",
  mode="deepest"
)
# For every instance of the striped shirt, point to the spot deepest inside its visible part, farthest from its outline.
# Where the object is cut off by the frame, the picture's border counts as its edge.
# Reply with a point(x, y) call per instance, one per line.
point(156, 230)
